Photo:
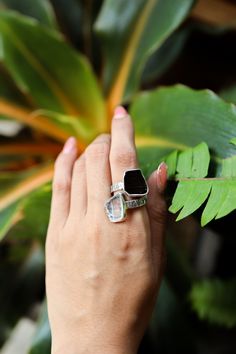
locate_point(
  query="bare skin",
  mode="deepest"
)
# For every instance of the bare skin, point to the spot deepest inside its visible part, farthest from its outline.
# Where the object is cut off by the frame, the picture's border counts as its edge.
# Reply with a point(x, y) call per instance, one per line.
point(102, 278)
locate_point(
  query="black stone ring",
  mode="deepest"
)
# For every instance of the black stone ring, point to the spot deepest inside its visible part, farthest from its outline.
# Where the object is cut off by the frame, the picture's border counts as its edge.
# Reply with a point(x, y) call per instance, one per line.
point(133, 185)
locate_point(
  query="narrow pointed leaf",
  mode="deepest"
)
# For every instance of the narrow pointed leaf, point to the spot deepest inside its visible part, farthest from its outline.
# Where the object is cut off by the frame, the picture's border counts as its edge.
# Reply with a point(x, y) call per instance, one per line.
point(229, 203)
point(180, 197)
point(35, 180)
point(200, 161)
point(44, 66)
point(80, 128)
point(184, 164)
point(198, 192)
point(8, 217)
point(171, 161)
point(39, 9)
point(217, 196)
point(194, 162)
point(229, 167)
point(190, 195)
point(145, 26)
point(26, 117)
point(165, 56)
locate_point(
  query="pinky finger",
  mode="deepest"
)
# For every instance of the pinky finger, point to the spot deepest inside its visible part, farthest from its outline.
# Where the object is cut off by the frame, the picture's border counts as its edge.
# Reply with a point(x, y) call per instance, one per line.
point(61, 189)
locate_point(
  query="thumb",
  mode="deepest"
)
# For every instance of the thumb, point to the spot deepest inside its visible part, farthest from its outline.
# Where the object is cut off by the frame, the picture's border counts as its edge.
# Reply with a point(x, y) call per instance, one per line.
point(156, 207)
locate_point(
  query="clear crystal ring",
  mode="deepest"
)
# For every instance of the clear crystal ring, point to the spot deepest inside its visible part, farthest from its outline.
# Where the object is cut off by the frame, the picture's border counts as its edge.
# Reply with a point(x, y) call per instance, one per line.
point(116, 206)
point(133, 184)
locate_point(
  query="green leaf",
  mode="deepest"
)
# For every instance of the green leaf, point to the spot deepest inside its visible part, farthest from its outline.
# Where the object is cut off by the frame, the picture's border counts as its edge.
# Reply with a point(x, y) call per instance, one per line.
point(81, 128)
point(178, 118)
point(42, 339)
point(193, 189)
point(8, 89)
point(165, 56)
point(144, 27)
point(214, 300)
point(49, 70)
point(39, 9)
point(7, 218)
point(218, 194)
point(229, 94)
point(189, 196)
point(34, 224)
point(194, 162)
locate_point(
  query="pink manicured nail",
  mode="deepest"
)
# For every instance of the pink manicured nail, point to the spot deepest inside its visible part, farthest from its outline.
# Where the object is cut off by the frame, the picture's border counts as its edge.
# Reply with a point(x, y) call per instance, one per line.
point(120, 112)
point(162, 176)
point(70, 145)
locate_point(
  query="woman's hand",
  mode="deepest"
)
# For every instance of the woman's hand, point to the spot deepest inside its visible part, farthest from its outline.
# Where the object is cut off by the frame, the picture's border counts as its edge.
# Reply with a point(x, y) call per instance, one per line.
point(102, 278)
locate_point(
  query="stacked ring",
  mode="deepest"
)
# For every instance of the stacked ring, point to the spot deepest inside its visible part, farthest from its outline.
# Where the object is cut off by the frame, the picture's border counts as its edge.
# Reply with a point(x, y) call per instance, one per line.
point(133, 185)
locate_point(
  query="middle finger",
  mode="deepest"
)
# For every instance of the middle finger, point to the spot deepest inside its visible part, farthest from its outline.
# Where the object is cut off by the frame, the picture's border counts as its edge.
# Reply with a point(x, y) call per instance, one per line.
point(123, 152)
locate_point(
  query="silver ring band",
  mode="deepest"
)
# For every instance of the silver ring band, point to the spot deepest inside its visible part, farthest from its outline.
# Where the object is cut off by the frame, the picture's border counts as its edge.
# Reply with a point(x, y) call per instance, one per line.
point(116, 187)
point(136, 203)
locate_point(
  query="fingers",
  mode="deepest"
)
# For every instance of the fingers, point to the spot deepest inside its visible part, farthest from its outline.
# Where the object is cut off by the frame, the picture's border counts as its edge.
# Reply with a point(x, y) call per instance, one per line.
point(123, 152)
point(78, 202)
point(98, 173)
point(62, 183)
point(157, 209)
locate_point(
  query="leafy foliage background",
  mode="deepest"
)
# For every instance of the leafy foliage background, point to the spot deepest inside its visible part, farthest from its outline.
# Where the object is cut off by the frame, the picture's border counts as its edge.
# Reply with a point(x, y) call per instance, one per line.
point(64, 66)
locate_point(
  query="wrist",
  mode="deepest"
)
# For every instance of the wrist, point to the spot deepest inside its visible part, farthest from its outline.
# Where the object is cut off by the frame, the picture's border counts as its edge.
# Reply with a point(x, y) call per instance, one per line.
point(90, 347)
point(91, 350)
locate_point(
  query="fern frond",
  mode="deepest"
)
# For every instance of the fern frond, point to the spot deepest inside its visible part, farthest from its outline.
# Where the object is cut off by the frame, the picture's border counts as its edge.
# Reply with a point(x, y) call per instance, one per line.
point(190, 169)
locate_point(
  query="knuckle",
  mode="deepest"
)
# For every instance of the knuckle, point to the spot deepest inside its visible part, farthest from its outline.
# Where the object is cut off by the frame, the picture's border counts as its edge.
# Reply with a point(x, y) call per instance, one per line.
point(124, 158)
point(97, 150)
point(61, 185)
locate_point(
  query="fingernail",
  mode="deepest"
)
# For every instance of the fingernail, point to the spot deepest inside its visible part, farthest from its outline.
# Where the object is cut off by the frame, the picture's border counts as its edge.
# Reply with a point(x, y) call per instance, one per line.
point(120, 112)
point(162, 177)
point(70, 145)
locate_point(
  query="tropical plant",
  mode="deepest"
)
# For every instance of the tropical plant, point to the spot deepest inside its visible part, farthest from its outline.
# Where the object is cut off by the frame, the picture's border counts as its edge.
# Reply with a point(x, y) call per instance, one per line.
point(64, 66)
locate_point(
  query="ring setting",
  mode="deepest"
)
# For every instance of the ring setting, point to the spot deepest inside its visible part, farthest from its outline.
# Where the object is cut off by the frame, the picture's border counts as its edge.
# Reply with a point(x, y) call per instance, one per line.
point(133, 185)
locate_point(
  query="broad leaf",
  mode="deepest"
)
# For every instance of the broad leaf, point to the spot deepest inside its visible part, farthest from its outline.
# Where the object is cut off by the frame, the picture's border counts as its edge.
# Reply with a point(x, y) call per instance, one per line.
point(44, 66)
point(177, 118)
point(229, 94)
point(128, 43)
point(214, 300)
